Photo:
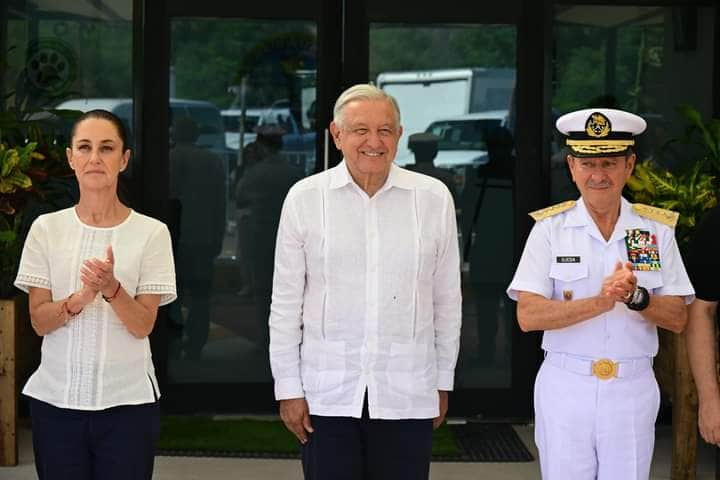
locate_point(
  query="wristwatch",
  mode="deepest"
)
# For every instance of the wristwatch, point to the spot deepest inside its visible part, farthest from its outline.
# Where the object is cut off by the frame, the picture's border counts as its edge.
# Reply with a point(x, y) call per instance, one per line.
point(639, 300)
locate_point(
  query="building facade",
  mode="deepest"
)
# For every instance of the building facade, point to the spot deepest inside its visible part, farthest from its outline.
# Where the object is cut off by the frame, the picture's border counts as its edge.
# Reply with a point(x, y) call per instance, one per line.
point(489, 79)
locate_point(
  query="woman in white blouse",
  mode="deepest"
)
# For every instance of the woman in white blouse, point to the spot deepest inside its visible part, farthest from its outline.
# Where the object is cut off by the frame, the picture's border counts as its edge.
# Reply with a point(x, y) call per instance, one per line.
point(96, 274)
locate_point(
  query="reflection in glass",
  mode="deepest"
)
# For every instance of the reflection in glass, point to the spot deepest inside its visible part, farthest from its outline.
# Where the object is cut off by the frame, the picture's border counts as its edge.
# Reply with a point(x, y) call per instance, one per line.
point(242, 133)
point(52, 55)
point(635, 58)
point(197, 184)
point(455, 84)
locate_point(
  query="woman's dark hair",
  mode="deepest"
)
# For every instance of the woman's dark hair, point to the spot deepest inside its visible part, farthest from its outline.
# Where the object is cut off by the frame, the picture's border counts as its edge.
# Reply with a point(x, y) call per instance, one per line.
point(103, 115)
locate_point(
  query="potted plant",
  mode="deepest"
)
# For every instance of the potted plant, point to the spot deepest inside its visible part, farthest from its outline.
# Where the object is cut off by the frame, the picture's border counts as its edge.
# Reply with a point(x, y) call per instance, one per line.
point(34, 179)
point(19, 165)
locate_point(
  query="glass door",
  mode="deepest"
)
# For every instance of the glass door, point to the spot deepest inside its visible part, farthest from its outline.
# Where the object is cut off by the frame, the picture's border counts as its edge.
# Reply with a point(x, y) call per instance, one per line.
point(455, 77)
point(241, 130)
point(249, 96)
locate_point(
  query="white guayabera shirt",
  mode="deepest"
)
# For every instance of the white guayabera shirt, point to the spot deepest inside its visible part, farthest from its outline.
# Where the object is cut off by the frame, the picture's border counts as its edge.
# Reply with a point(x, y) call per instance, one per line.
point(366, 295)
point(93, 362)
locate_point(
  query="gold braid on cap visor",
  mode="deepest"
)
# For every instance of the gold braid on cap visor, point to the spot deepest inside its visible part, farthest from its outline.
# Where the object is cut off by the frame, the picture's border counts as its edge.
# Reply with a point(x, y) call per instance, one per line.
point(599, 146)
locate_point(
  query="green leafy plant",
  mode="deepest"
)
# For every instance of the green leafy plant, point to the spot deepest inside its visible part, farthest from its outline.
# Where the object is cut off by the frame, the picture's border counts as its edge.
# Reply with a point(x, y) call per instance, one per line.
point(704, 135)
point(20, 168)
point(32, 167)
point(690, 194)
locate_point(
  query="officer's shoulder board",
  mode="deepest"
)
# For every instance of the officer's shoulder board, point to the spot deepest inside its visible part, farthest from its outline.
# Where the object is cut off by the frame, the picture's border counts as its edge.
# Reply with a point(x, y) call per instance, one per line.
point(667, 217)
point(547, 212)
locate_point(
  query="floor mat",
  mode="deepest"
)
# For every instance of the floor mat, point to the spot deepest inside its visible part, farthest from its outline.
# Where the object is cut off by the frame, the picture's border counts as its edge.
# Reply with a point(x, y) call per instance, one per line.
point(491, 442)
point(198, 436)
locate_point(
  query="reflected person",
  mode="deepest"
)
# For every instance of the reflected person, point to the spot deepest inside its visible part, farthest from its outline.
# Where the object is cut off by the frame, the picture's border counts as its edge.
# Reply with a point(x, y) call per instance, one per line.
point(486, 225)
point(262, 190)
point(424, 146)
point(197, 181)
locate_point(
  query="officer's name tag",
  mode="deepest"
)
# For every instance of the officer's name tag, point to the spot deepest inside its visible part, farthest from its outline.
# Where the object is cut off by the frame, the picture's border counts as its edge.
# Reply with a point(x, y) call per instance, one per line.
point(567, 259)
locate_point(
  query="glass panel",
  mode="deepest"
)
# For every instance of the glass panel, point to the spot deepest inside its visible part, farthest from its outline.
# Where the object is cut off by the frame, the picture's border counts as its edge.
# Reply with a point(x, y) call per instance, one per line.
point(646, 60)
point(56, 53)
point(242, 97)
point(457, 82)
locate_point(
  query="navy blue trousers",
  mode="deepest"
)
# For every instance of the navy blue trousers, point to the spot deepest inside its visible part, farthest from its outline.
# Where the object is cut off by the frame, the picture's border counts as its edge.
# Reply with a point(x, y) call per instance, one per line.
point(113, 444)
point(346, 448)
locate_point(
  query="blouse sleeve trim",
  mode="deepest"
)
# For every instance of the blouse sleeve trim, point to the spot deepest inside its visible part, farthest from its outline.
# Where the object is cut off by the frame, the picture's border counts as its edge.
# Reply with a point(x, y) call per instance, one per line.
point(24, 281)
point(167, 292)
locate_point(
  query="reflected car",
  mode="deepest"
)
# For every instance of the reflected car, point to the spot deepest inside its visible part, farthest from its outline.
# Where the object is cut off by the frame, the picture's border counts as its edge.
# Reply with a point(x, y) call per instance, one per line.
point(463, 140)
point(205, 114)
point(298, 143)
point(231, 120)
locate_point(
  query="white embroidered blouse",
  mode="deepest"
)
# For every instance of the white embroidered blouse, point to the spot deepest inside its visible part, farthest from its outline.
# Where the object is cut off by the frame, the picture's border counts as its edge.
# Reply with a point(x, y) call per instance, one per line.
point(93, 362)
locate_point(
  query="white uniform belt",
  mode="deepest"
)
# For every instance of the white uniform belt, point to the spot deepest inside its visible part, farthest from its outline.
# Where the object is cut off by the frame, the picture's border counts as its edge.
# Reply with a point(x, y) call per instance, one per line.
point(602, 368)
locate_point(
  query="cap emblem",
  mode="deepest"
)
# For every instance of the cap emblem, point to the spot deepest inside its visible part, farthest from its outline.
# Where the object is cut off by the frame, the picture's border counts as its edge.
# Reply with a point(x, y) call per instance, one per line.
point(597, 125)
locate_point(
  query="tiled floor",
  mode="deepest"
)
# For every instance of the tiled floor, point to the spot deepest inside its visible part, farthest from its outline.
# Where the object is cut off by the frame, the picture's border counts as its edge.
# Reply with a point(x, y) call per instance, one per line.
point(185, 468)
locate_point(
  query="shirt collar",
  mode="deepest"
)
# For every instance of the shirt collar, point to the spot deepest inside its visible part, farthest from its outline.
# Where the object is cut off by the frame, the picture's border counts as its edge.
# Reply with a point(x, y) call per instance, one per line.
point(579, 217)
point(397, 177)
point(339, 175)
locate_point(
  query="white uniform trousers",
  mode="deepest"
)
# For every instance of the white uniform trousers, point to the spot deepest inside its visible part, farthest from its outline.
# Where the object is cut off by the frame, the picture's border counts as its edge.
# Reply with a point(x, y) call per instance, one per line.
point(587, 428)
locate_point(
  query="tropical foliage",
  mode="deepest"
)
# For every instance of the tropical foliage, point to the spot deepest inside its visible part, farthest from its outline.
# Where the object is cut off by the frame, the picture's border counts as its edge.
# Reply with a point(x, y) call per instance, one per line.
point(19, 168)
point(31, 155)
point(703, 135)
point(691, 192)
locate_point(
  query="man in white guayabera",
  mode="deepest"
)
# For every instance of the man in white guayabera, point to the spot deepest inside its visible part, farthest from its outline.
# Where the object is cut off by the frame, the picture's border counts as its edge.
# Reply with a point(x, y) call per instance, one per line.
point(366, 307)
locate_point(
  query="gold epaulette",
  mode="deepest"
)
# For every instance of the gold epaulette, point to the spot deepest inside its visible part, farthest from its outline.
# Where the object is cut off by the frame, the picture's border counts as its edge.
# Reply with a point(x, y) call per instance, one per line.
point(546, 212)
point(668, 217)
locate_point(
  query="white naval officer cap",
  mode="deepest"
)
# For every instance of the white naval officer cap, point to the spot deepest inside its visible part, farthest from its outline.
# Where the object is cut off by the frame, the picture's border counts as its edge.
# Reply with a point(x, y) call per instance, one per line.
point(600, 132)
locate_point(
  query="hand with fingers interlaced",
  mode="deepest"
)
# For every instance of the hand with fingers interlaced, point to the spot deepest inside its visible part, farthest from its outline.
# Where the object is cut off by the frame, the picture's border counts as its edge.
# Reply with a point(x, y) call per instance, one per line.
point(620, 284)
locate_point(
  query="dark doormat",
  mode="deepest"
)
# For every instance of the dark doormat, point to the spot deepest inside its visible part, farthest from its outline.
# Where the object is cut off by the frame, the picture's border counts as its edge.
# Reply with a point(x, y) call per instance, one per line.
point(202, 436)
point(491, 442)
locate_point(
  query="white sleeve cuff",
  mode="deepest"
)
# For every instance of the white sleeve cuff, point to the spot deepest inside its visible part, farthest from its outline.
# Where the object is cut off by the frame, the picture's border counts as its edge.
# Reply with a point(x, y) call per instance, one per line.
point(446, 380)
point(286, 388)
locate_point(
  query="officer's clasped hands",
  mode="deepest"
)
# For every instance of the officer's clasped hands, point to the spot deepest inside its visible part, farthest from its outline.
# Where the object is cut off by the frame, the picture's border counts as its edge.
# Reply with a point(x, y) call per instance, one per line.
point(621, 284)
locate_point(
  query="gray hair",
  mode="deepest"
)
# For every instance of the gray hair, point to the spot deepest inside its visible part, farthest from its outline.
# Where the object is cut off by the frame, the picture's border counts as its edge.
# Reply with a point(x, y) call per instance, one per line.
point(363, 91)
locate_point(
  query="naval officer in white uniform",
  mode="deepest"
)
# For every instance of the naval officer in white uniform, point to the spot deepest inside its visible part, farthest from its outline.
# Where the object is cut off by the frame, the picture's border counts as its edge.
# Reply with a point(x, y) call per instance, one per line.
point(598, 276)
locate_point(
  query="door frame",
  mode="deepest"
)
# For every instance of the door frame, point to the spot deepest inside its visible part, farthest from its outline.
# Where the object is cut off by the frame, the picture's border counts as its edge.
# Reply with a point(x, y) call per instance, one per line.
point(342, 58)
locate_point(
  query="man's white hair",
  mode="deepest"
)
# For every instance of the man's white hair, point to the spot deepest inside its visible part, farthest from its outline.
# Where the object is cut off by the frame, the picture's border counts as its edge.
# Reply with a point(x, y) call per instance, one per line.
point(363, 91)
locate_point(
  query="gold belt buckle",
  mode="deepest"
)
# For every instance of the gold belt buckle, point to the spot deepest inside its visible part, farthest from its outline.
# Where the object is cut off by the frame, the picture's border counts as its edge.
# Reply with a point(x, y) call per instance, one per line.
point(604, 369)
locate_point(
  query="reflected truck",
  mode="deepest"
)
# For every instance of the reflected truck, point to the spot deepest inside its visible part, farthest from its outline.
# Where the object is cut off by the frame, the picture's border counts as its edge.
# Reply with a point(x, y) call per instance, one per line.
point(428, 95)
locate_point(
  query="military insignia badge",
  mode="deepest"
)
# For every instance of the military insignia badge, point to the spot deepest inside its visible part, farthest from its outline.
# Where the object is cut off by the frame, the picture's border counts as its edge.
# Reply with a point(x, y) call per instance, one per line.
point(642, 250)
point(597, 125)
